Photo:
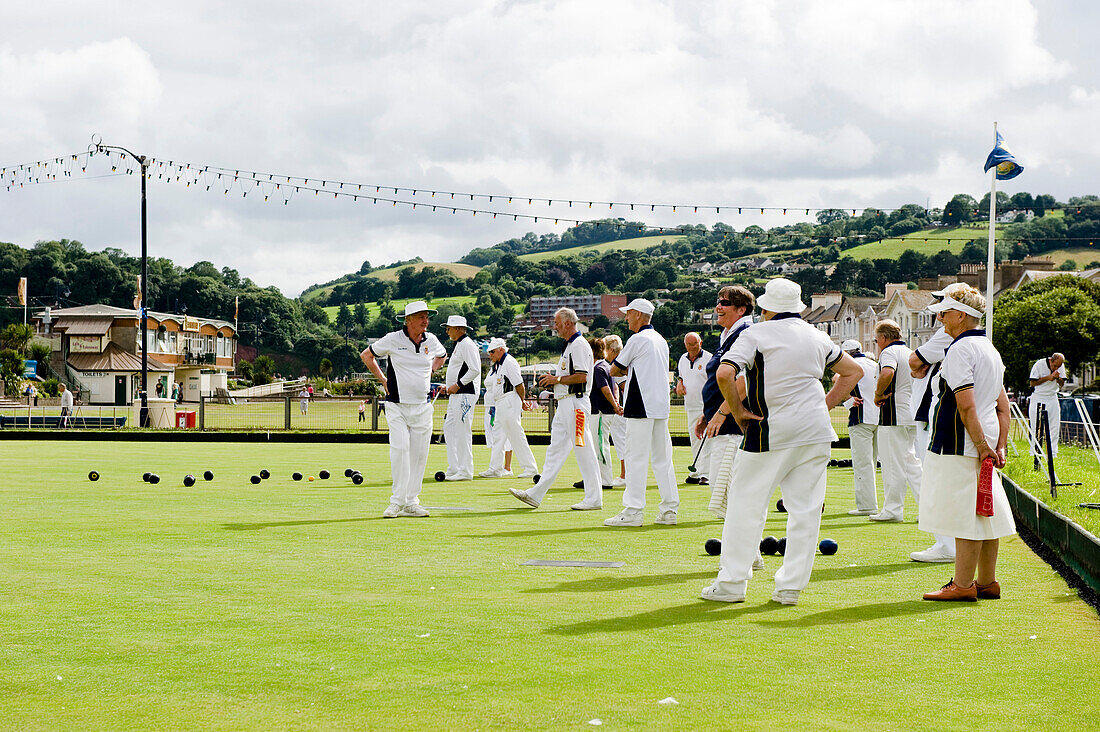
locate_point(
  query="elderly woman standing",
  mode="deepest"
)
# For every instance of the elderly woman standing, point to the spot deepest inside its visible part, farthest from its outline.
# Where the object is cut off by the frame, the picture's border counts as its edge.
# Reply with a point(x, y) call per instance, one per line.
point(970, 425)
point(613, 346)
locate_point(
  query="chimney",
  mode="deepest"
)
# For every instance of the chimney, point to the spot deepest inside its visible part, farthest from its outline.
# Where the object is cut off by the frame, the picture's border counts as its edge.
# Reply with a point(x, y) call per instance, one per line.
point(892, 287)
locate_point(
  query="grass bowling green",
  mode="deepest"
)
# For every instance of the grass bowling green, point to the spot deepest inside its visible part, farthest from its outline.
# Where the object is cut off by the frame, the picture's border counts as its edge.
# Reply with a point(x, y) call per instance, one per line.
point(295, 605)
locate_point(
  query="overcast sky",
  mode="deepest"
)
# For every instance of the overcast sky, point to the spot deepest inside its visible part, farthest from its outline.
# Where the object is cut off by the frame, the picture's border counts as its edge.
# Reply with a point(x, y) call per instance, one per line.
point(813, 103)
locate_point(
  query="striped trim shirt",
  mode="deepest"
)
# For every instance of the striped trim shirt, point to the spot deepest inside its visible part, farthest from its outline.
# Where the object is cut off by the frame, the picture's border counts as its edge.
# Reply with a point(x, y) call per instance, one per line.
point(971, 363)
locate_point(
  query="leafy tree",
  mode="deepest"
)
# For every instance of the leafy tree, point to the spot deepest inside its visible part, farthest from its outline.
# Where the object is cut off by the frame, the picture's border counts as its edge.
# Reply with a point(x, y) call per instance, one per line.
point(325, 368)
point(244, 368)
point(344, 319)
point(263, 369)
point(16, 337)
point(959, 210)
point(1068, 266)
point(11, 370)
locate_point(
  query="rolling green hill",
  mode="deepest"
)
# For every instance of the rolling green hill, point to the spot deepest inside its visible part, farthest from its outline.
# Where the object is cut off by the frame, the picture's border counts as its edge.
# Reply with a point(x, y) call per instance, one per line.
point(926, 241)
point(389, 274)
point(642, 242)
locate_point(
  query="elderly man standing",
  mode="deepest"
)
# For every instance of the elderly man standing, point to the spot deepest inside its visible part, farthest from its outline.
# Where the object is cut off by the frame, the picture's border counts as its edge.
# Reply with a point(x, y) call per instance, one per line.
point(505, 383)
point(897, 429)
point(412, 355)
point(692, 372)
point(862, 425)
point(644, 362)
point(788, 437)
point(463, 373)
point(1047, 376)
point(572, 383)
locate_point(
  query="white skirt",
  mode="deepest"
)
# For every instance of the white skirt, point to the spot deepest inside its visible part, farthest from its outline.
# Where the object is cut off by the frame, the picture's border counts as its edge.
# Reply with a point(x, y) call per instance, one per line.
point(949, 494)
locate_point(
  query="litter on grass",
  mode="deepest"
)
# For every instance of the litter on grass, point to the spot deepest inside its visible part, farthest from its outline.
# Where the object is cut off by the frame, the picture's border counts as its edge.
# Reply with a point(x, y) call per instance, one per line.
point(595, 722)
point(668, 700)
point(425, 635)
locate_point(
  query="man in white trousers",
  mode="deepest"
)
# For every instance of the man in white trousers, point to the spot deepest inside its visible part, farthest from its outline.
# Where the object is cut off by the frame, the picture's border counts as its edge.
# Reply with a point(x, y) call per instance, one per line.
point(862, 425)
point(571, 383)
point(411, 354)
point(788, 436)
point(1047, 376)
point(644, 362)
point(506, 384)
point(463, 376)
point(897, 429)
point(691, 372)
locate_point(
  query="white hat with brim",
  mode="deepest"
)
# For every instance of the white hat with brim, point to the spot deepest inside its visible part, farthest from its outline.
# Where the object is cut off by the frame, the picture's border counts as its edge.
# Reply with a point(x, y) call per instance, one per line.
point(496, 343)
point(641, 305)
point(850, 345)
point(781, 296)
point(949, 303)
point(415, 308)
point(455, 321)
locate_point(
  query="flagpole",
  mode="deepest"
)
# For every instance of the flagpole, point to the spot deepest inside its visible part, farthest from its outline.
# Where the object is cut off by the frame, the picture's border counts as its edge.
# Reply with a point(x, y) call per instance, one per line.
point(992, 237)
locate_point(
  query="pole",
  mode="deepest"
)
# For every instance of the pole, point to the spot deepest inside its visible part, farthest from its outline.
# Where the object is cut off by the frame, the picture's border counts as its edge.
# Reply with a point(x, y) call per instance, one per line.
point(992, 239)
point(143, 417)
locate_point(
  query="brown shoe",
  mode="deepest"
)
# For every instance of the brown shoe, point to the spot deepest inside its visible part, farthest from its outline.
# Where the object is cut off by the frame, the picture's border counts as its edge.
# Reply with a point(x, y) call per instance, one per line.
point(992, 591)
point(953, 593)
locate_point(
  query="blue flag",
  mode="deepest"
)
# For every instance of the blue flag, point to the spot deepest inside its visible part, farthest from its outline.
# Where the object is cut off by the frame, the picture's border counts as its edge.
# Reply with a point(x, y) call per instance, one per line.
point(1005, 161)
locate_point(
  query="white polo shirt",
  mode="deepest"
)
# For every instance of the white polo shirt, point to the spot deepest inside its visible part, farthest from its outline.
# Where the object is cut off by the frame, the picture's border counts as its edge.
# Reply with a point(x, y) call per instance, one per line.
point(408, 365)
point(971, 363)
point(464, 368)
point(576, 358)
point(897, 410)
point(1048, 389)
point(783, 360)
point(645, 359)
point(931, 352)
point(504, 376)
point(866, 413)
point(694, 375)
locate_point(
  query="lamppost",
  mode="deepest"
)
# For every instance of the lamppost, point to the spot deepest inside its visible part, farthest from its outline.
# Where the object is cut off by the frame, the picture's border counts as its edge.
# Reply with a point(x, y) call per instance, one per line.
point(142, 161)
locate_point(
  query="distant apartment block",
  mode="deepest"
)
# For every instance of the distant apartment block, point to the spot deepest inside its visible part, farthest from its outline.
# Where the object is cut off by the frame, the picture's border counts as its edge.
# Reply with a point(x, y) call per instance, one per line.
point(586, 306)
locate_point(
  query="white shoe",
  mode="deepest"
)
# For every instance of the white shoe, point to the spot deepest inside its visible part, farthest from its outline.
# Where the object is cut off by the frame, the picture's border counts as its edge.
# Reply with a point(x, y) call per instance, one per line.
point(491, 474)
point(392, 511)
point(582, 506)
point(626, 517)
point(933, 555)
point(711, 592)
point(758, 563)
point(618, 482)
point(527, 473)
point(668, 518)
point(508, 474)
point(863, 512)
point(414, 510)
point(459, 477)
point(785, 597)
point(889, 518)
point(522, 495)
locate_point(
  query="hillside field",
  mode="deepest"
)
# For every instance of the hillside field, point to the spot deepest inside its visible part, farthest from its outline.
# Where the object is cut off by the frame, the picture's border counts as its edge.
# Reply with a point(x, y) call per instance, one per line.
point(389, 274)
point(642, 242)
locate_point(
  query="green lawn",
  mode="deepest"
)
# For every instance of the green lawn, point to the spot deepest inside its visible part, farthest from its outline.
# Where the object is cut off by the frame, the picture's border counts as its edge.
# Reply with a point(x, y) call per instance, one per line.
point(641, 242)
point(1073, 465)
point(389, 274)
point(1083, 256)
point(294, 605)
point(928, 241)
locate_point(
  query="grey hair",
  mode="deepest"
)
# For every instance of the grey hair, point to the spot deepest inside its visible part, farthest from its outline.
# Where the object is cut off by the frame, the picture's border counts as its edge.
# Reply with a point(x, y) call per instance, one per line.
point(569, 315)
point(613, 343)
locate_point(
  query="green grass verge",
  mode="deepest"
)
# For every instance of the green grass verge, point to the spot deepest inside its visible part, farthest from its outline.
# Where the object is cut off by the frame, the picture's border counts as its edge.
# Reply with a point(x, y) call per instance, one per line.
point(294, 605)
point(1082, 256)
point(928, 241)
point(641, 242)
point(1073, 465)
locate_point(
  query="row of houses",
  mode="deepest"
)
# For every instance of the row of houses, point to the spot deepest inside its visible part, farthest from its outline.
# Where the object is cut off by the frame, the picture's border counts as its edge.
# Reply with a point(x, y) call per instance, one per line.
point(764, 264)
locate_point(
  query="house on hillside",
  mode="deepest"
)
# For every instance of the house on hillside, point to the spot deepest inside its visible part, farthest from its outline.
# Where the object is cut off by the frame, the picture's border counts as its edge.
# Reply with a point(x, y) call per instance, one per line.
point(96, 349)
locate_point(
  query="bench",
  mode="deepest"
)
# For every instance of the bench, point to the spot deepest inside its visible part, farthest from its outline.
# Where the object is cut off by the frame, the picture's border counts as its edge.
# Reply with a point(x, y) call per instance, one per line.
point(54, 422)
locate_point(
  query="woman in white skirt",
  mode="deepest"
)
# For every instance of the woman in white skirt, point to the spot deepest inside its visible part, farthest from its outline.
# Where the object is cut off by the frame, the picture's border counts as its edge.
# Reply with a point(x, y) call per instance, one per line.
point(613, 346)
point(970, 424)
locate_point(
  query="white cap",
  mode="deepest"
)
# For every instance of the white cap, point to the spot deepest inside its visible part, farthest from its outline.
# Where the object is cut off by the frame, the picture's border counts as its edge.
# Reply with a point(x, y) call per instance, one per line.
point(415, 307)
point(455, 321)
point(641, 305)
point(949, 303)
point(496, 343)
point(781, 296)
point(850, 345)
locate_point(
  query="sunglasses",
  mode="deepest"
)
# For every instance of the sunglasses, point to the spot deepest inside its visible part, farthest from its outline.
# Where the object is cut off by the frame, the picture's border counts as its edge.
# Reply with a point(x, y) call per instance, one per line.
point(725, 303)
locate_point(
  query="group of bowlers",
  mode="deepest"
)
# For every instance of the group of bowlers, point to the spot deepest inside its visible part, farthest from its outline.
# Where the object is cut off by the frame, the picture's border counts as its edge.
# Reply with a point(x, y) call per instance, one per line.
point(757, 406)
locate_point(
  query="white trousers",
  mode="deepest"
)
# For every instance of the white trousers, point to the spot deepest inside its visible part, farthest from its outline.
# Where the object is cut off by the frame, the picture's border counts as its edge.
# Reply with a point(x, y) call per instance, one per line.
point(864, 465)
point(1054, 417)
point(649, 439)
point(458, 433)
point(508, 435)
point(562, 431)
point(410, 434)
point(900, 467)
point(702, 463)
point(608, 471)
point(756, 475)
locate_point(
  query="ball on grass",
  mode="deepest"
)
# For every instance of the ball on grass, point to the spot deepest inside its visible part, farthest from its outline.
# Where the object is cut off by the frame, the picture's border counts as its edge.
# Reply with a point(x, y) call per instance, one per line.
point(254, 479)
point(154, 478)
point(536, 478)
point(265, 474)
point(311, 479)
point(713, 547)
point(781, 546)
point(145, 477)
point(93, 476)
point(323, 475)
point(828, 546)
point(208, 475)
point(296, 476)
point(348, 472)
point(357, 478)
point(440, 476)
point(780, 507)
point(769, 545)
point(189, 480)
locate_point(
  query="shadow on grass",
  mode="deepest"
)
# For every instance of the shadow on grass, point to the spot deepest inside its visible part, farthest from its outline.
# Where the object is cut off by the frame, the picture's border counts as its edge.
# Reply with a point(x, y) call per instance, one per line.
point(826, 574)
point(595, 527)
point(861, 614)
point(700, 611)
point(612, 584)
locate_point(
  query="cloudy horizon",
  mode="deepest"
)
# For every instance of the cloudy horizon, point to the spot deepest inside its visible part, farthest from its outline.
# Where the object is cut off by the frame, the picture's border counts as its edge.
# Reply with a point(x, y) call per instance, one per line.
point(797, 104)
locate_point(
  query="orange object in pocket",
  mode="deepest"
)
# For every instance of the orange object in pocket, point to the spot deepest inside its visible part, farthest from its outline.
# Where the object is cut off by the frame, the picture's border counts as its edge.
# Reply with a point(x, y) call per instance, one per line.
point(578, 437)
point(985, 489)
